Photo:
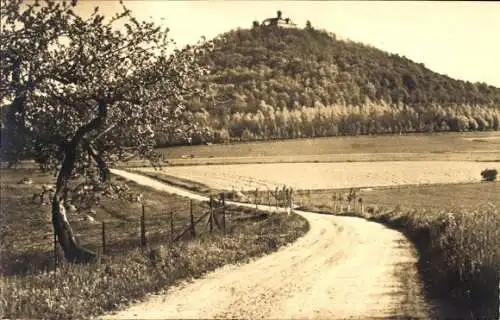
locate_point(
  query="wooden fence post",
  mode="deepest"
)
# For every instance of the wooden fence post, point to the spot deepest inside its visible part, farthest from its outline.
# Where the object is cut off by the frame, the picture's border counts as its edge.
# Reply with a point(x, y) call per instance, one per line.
point(193, 231)
point(276, 197)
point(143, 227)
point(287, 199)
point(283, 196)
point(171, 227)
point(211, 215)
point(103, 237)
point(55, 251)
point(223, 198)
point(338, 203)
point(256, 192)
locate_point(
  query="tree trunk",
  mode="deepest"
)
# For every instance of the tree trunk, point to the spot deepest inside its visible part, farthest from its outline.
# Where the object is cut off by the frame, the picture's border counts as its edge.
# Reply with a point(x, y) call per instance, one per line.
point(73, 251)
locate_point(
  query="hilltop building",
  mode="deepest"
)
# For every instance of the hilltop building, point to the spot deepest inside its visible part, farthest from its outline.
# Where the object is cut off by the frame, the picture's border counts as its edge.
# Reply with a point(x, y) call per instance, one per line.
point(279, 22)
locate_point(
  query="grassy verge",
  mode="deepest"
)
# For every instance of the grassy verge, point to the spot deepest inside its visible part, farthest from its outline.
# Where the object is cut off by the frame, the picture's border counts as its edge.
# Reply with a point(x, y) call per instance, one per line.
point(456, 229)
point(127, 273)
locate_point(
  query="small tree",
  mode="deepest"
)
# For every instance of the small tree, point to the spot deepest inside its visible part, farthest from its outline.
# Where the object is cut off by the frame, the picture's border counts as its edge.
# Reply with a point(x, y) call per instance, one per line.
point(489, 174)
point(308, 25)
point(80, 94)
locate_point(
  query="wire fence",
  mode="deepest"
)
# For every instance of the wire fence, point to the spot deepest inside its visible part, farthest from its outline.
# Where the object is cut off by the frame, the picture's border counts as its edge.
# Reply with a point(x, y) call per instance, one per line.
point(114, 237)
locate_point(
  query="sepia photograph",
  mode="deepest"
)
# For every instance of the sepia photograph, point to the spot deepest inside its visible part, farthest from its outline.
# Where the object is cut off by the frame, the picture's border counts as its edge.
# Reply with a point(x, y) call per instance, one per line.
point(235, 159)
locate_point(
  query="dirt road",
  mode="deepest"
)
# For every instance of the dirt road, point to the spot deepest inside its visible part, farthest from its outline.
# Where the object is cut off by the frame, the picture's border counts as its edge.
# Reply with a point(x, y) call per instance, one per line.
point(342, 268)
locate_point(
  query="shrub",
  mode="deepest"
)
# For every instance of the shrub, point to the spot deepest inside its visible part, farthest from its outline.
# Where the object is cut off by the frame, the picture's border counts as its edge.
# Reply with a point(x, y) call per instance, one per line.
point(489, 174)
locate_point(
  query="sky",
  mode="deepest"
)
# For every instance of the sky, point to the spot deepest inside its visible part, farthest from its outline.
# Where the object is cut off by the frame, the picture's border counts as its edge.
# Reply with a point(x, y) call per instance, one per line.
point(458, 39)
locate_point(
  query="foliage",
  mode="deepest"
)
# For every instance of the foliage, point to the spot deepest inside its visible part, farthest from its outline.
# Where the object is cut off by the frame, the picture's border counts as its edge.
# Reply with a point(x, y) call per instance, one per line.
point(263, 75)
point(489, 174)
point(462, 247)
point(72, 79)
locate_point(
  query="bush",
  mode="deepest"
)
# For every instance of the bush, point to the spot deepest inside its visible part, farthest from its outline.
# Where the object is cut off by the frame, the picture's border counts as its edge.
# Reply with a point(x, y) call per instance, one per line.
point(489, 174)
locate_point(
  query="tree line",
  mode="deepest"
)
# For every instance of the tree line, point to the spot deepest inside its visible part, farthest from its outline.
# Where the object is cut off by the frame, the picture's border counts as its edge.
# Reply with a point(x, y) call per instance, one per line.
point(337, 120)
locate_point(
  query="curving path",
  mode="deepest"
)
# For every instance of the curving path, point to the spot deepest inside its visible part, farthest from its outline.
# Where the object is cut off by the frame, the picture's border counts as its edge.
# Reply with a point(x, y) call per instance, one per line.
point(344, 267)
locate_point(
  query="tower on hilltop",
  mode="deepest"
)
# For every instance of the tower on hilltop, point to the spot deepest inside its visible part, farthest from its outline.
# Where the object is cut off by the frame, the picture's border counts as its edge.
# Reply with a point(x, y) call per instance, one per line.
point(279, 21)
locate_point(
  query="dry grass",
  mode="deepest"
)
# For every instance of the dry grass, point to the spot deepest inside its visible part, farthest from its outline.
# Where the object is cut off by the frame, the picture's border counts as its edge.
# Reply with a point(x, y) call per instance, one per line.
point(456, 229)
point(328, 175)
point(127, 273)
point(448, 146)
point(478, 156)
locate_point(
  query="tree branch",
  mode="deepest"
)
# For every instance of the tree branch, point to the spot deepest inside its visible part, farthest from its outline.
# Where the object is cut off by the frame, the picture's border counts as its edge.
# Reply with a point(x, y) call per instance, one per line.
point(92, 125)
point(103, 167)
point(102, 133)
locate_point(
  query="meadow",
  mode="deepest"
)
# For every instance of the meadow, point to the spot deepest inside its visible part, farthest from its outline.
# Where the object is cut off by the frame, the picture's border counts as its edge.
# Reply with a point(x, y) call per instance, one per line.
point(335, 175)
point(479, 146)
point(31, 288)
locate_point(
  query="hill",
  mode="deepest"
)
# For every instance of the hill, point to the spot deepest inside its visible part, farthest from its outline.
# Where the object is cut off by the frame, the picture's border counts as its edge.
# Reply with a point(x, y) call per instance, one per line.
point(270, 82)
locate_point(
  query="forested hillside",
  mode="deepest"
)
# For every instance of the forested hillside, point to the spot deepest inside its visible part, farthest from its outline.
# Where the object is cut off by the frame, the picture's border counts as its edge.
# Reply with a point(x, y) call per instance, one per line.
point(275, 83)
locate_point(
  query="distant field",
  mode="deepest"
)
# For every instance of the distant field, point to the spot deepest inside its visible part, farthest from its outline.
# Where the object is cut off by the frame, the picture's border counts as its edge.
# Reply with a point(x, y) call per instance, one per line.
point(330, 175)
point(477, 146)
point(434, 198)
point(483, 146)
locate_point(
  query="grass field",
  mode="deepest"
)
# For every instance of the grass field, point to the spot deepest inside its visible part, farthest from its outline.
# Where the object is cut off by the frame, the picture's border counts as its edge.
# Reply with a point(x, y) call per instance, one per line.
point(126, 272)
point(337, 175)
point(473, 146)
point(436, 198)
point(482, 146)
